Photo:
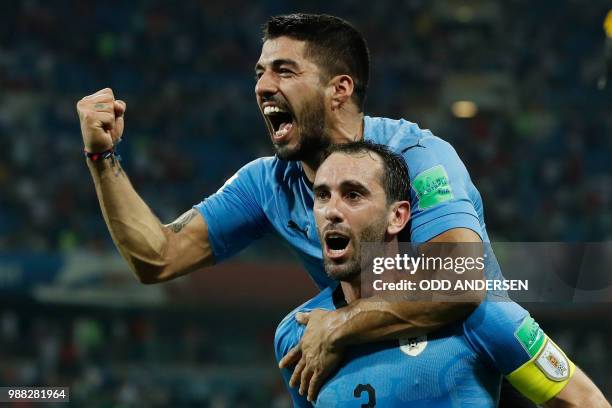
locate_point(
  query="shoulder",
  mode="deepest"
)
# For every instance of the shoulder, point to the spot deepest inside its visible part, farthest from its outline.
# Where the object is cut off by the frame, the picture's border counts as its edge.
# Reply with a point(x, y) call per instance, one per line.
point(259, 167)
point(420, 147)
point(398, 134)
point(268, 170)
point(289, 331)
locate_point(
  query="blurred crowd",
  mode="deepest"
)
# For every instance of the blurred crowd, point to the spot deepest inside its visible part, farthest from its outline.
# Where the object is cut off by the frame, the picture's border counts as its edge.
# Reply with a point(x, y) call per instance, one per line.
point(161, 359)
point(538, 149)
point(172, 359)
point(540, 162)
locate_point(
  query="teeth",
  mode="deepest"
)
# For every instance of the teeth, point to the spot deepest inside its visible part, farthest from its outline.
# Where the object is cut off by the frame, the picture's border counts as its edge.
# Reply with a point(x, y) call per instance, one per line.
point(268, 110)
point(281, 132)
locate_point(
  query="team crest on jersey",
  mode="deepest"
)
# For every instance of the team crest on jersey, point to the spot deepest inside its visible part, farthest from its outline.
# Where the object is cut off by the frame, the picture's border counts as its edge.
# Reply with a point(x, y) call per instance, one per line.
point(553, 362)
point(413, 346)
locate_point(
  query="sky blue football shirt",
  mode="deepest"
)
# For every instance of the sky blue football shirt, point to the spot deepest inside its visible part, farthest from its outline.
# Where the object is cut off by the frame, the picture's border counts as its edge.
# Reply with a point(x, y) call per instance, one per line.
point(460, 365)
point(269, 194)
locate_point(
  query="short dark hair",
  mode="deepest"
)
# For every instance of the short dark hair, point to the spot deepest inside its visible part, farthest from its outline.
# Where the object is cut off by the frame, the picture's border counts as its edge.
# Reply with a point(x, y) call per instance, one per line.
point(333, 43)
point(395, 177)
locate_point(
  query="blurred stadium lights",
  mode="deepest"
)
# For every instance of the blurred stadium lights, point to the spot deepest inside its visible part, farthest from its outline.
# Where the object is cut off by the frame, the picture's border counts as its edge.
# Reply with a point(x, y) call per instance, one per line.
point(464, 13)
point(489, 91)
point(538, 151)
point(467, 11)
point(464, 109)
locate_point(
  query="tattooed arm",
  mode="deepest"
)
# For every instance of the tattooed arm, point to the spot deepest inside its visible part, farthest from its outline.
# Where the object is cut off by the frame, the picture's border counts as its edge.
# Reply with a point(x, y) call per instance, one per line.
point(155, 252)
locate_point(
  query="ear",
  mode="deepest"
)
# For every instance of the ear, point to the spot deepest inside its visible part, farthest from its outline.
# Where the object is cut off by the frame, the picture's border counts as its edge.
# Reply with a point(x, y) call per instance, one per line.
point(341, 88)
point(398, 217)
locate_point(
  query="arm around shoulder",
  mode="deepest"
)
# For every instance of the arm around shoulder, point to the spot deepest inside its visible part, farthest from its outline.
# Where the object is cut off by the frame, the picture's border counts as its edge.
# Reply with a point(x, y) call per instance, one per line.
point(374, 319)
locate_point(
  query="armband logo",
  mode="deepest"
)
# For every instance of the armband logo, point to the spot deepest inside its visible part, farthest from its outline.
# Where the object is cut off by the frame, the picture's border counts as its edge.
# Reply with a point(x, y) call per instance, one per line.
point(413, 346)
point(553, 363)
point(531, 336)
point(432, 187)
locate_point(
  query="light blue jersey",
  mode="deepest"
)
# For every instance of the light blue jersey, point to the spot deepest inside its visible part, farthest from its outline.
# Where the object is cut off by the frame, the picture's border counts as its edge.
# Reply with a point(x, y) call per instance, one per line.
point(460, 365)
point(270, 194)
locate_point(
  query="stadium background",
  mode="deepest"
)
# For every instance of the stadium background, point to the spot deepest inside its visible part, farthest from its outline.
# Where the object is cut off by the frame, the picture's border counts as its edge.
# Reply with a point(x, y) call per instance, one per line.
point(538, 149)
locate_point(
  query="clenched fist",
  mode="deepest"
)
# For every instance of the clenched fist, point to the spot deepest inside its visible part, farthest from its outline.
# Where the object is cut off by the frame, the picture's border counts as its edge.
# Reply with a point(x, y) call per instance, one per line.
point(101, 119)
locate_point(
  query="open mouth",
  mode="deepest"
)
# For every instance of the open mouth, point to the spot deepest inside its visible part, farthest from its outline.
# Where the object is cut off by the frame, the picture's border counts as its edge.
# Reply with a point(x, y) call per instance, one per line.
point(336, 244)
point(279, 120)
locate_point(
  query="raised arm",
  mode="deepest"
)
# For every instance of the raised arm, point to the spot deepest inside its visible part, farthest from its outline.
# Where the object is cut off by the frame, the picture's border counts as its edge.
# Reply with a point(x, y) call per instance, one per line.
point(155, 252)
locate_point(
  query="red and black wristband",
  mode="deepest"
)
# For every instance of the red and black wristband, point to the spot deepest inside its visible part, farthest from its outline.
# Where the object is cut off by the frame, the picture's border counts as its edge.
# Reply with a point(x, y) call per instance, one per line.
point(100, 156)
point(107, 154)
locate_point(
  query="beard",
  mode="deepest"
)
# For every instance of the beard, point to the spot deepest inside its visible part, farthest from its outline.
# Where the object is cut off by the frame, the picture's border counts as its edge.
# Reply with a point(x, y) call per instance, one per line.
point(351, 268)
point(313, 139)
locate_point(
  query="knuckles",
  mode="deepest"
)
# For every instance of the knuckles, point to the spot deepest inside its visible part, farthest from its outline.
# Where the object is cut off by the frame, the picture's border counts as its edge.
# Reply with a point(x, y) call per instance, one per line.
point(108, 91)
point(105, 115)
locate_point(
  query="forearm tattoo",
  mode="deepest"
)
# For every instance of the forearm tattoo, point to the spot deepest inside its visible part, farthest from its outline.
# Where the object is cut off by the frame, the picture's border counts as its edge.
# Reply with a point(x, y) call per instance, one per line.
point(181, 221)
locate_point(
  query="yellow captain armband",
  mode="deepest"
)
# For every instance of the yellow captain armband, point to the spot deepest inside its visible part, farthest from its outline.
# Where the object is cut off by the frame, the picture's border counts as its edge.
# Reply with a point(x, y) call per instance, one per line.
point(548, 370)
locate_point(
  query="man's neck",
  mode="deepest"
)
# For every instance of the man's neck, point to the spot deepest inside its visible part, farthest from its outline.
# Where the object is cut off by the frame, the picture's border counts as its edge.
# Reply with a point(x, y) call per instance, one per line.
point(348, 128)
point(351, 290)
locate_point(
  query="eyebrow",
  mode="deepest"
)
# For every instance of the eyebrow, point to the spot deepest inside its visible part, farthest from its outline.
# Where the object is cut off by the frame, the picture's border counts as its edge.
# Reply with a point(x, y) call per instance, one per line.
point(319, 187)
point(277, 63)
point(355, 185)
point(346, 184)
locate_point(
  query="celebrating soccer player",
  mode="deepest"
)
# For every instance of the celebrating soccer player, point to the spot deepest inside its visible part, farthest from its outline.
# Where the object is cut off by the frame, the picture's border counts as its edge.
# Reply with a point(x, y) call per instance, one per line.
point(312, 77)
point(361, 195)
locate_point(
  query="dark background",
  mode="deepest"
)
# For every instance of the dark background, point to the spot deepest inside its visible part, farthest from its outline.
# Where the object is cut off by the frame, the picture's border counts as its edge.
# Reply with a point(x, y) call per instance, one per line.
point(71, 314)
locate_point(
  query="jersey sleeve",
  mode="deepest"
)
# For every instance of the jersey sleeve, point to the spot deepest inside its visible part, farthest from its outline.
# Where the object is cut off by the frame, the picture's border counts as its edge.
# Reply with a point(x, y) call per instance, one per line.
point(234, 214)
point(287, 336)
point(440, 196)
point(512, 341)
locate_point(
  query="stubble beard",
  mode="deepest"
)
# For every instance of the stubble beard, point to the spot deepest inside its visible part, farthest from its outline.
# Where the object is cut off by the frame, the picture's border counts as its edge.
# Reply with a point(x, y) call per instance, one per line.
point(350, 270)
point(313, 139)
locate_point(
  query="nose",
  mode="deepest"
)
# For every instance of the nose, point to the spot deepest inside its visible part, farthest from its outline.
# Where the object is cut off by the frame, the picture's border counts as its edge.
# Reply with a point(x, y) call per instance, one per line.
point(266, 85)
point(332, 211)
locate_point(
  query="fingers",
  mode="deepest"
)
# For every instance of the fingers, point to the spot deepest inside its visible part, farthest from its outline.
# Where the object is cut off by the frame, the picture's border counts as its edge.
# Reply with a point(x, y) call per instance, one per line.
point(101, 101)
point(291, 358)
point(120, 107)
point(297, 373)
point(102, 93)
point(98, 98)
point(302, 318)
point(101, 119)
point(305, 379)
point(117, 130)
point(314, 386)
point(104, 107)
point(107, 119)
